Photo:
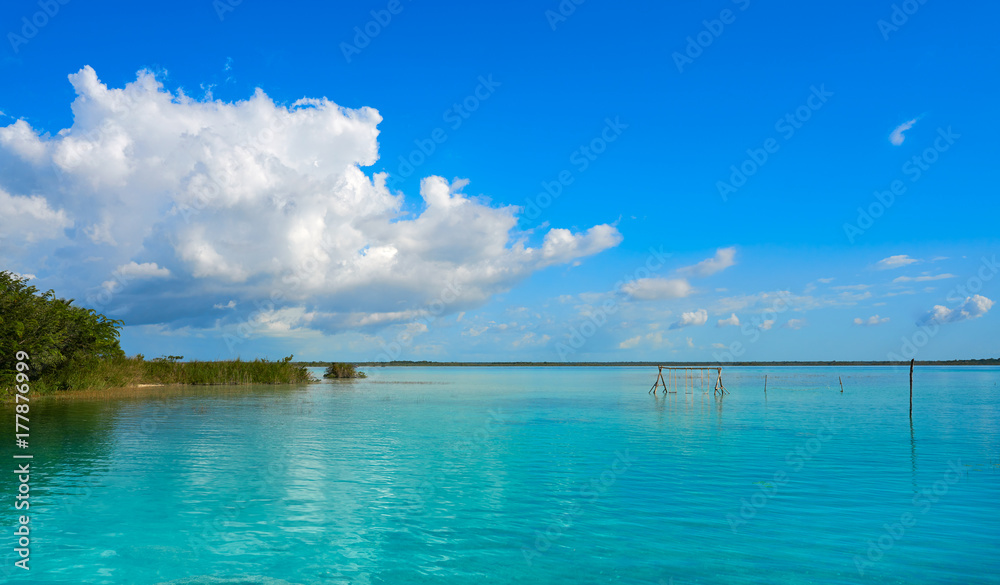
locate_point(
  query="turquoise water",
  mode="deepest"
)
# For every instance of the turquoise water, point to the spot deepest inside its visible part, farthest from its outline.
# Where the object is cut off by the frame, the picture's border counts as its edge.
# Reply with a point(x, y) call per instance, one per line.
point(523, 475)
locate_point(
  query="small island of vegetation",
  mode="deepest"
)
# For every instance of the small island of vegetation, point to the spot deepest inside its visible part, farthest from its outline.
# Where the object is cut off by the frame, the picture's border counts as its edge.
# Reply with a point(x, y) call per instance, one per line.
point(340, 370)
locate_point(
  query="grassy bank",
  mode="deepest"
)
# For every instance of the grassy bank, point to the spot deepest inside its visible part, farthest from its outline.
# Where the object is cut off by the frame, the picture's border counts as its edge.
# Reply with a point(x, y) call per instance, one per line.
point(224, 372)
point(124, 372)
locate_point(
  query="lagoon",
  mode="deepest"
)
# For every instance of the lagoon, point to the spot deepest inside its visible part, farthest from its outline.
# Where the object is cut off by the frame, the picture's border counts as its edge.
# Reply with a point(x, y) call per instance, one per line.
point(522, 475)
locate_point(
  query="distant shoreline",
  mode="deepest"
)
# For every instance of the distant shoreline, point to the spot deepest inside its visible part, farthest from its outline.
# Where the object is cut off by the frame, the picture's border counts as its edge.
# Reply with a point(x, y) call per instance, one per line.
point(983, 362)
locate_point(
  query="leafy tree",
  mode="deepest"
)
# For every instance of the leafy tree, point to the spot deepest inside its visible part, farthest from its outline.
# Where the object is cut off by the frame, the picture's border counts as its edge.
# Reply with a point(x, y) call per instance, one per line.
point(55, 334)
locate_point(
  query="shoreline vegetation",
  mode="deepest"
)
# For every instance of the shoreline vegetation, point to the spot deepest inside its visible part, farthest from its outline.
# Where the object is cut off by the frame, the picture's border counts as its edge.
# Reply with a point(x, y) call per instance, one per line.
point(50, 346)
point(137, 373)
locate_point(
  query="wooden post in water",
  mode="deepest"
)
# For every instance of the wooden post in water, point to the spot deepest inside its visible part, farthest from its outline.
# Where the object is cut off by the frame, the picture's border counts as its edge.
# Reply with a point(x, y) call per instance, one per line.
point(765, 383)
point(719, 388)
point(841, 384)
point(911, 388)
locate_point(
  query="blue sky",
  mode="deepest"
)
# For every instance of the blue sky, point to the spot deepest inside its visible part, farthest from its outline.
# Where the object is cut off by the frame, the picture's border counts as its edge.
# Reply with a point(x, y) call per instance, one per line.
point(731, 180)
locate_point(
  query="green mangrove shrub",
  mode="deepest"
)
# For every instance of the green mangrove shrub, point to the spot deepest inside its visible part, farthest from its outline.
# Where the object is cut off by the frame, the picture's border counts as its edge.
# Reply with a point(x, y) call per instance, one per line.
point(342, 370)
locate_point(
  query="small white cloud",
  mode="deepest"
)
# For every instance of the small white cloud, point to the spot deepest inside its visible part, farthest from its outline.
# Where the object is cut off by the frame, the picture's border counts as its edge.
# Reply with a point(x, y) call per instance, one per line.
point(657, 340)
point(630, 343)
point(973, 308)
point(719, 345)
point(825, 280)
point(732, 320)
point(144, 270)
point(561, 246)
point(134, 271)
point(696, 318)
point(795, 323)
point(897, 261)
point(530, 339)
point(230, 305)
point(896, 136)
point(922, 278)
point(724, 258)
point(850, 297)
point(475, 331)
point(871, 321)
point(767, 324)
point(690, 341)
point(651, 289)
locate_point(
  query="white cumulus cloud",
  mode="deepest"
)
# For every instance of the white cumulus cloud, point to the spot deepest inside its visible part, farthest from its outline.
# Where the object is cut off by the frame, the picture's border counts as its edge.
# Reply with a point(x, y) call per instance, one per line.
point(973, 308)
point(896, 261)
point(724, 258)
point(731, 320)
point(630, 343)
point(561, 245)
point(126, 273)
point(649, 289)
point(699, 317)
point(249, 198)
point(144, 270)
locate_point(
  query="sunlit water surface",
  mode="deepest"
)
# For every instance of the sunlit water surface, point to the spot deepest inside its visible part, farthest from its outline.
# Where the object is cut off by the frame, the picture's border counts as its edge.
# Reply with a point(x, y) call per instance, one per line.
point(522, 475)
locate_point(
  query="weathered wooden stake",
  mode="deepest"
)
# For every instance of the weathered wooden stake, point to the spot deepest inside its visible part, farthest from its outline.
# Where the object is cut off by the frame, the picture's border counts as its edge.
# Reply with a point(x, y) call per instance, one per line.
point(911, 388)
point(841, 384)
point(765, 383)
point(659, 376)
point(719, 388)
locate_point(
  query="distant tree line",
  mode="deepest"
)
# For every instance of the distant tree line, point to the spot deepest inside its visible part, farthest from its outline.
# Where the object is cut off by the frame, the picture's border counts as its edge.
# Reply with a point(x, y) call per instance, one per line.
point(399, 363)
